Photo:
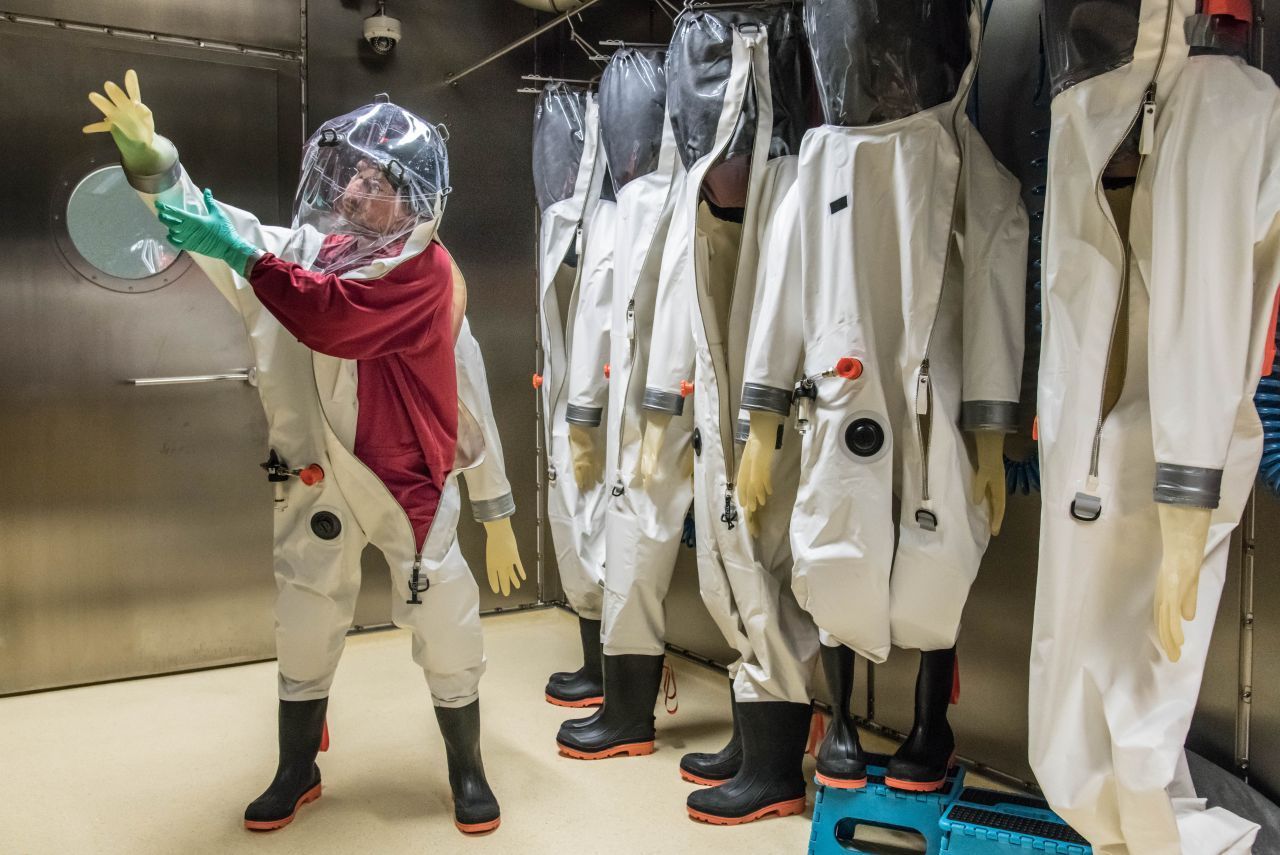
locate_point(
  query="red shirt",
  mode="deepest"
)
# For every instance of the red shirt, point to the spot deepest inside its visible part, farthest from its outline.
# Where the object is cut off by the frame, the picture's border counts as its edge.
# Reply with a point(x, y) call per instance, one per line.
point(399, 329)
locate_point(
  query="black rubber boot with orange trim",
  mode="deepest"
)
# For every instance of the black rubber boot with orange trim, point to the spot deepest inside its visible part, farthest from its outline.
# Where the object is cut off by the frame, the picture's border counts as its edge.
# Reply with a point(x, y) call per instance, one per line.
point(624, 726)
point(771, 779)
point(922, 762)
point(584, 687)
point(475, 807)
point(841, 763)
point(712, 770)
point(297, 780)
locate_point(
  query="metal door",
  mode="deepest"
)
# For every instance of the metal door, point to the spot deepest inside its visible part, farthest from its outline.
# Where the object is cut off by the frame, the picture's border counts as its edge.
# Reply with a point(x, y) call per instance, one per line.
point(135, 530)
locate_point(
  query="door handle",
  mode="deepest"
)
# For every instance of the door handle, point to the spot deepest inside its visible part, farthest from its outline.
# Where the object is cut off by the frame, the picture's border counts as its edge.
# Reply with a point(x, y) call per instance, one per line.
point(249, 375)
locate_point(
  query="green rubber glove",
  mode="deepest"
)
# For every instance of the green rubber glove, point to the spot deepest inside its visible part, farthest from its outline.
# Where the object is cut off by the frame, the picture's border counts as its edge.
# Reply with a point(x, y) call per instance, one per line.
point(208, 234)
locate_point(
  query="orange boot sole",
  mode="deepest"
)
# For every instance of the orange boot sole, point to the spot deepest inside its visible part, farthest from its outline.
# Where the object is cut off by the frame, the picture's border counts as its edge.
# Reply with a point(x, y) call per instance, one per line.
point(921, 786)
point(631, 749)
point(585, 703)
point(840, 783)
point(478, 827)
point(700, 781)
point(780, 809)
point(309, 796)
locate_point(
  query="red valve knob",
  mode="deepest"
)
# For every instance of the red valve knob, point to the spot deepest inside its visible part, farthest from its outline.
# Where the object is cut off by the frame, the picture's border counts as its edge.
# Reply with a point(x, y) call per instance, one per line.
point(312, 475)
point(537, 381)
point(606, 371)
point(686, 388)
point(849, 367)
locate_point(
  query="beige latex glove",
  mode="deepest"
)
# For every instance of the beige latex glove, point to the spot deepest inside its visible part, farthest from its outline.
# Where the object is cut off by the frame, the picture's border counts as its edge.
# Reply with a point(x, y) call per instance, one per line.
point(989, 482)
point(502, 558)
point(651, 442)
point(132, 126)
point(755, 472)
point(1184, 532)
point(588, 468)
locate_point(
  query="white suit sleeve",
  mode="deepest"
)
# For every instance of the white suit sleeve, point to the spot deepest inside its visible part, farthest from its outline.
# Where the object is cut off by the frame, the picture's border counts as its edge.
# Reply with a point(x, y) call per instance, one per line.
point(993, 251)
point(671, 348)
point(775, 345)
point(589, 351)
point(487, 484)
point(176, 189)
point(1216, 151)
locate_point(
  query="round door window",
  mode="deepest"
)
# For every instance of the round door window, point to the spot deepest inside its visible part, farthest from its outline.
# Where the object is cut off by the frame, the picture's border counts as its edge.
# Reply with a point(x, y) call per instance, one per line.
point(114, 241)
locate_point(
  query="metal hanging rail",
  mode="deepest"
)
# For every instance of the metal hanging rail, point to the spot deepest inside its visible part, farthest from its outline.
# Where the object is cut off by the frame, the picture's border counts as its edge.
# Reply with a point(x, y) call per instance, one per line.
point(454, 76)
point(147, 36)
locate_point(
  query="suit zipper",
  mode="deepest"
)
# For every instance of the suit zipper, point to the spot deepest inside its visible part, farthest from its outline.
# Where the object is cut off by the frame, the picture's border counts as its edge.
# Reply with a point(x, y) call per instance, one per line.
point(1087, 505)
point(415, 585)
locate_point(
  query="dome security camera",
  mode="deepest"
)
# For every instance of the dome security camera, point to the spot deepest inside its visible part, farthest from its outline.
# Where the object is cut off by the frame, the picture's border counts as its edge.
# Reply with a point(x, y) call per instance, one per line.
point(381, 31)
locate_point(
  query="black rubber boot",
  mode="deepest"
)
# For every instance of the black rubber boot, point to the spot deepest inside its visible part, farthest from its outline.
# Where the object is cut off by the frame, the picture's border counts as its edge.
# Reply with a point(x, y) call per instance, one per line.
point(475, 808)
point(921, 763)
point(841, 763)
point(624, 726)
point(771, 780)
point(584, 687)
point(711, 770)
point(297, 781)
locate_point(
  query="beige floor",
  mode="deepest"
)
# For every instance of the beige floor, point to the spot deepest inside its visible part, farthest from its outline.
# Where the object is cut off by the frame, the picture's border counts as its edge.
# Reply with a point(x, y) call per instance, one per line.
point(166, 765)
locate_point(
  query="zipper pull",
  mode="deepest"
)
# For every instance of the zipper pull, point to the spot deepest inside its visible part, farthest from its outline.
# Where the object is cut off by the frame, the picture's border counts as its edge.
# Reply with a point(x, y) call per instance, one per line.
point(1147, 139)
point(806, 392)
point(631, 320)
point(922, 391)
point(416, 585)
point(551, 474)
point(619, 488)
point(730, 515)
point(577, 245)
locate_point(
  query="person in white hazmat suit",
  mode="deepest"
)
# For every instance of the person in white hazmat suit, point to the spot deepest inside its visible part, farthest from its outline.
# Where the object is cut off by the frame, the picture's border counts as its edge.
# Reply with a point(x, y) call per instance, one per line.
point(644, 521)
point(1161, 240)
point(348, 312)
point(737, 107)
point(575, 249)
point(893, 305)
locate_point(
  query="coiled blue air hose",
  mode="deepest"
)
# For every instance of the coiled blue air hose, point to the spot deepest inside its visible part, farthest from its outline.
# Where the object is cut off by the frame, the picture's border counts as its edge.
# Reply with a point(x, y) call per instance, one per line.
point(1267, 400)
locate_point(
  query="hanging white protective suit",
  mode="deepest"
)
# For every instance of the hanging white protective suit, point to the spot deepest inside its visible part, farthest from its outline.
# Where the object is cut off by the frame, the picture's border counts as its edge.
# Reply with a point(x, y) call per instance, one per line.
point(1155, 325)
point(568, 174)
point(321, 530)
point(735, 96)
point(902, 246)
point(644, 521)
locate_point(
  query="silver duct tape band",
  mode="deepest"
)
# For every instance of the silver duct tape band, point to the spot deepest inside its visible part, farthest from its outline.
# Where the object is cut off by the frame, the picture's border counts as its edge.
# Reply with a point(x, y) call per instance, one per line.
point(768, 399)
point(658, 401)
point(154, 184)
point(584, 416)
point(741, 431)
point(999, 416)
point(1190, 486)
point(488, 510)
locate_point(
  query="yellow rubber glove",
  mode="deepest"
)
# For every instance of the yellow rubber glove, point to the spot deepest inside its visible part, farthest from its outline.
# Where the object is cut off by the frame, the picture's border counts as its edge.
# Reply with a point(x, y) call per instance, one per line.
point(502, 557)
point(651, 445)
point(655, 432)
point(755, 472)
point(1184, 532)
point(989, 482)
point(588, 467)
point(131, 125)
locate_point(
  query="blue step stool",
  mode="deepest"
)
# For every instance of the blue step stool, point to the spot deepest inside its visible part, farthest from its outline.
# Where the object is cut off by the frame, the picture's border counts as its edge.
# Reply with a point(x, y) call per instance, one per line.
point(986, 822)
point(838, 813)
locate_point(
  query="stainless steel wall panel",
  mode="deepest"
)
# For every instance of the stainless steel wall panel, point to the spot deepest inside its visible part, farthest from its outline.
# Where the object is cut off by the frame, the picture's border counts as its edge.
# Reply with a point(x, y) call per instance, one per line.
point(1264, 770)
point(134, 523)
point(275, 24)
